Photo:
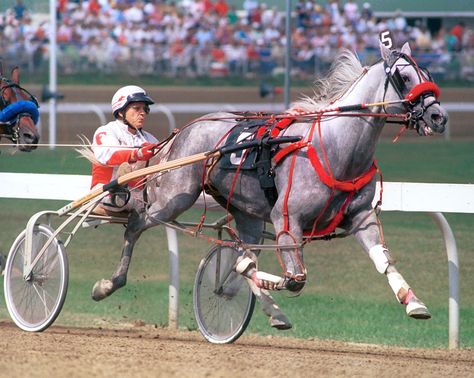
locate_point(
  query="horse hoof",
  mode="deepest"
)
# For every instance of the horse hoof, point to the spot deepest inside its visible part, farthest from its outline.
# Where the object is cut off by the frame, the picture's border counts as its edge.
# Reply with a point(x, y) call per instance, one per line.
point(296, 284)
point(102, 289)
point(417, 310)
point(280, 322)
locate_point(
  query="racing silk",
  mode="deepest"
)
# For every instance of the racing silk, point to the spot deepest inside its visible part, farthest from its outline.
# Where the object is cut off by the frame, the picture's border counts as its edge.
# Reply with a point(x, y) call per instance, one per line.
point(105, 144)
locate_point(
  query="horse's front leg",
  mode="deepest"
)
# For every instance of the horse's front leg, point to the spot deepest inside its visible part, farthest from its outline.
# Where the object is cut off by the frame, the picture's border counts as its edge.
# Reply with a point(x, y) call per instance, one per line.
point(367, 230)
point(103, 288)
point(290, 252)
point(250, 231)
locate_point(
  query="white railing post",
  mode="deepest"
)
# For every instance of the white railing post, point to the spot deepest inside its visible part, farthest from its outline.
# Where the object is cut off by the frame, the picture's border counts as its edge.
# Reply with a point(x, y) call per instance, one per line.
point(173, 254)
point(453, 278)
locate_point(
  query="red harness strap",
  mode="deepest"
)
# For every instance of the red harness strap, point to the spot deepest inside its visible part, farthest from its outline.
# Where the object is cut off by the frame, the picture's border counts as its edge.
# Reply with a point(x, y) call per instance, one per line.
point(351, 186)
point(281, 125)
point(334, 222)
point(288, 150)
point(345, 186)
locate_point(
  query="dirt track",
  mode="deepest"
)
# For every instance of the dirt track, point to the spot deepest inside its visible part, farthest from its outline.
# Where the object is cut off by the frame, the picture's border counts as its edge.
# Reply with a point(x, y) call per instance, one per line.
point(158, 352)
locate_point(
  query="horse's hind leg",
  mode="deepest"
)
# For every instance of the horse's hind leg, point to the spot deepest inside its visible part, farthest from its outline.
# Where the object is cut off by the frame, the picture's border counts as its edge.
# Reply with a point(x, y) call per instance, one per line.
point(367, 233)
point(177, 193)
point(250, 231)
point(103, 288)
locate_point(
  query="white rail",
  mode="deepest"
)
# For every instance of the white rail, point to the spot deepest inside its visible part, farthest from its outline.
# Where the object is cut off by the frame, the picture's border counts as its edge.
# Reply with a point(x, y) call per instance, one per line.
point(434, 199)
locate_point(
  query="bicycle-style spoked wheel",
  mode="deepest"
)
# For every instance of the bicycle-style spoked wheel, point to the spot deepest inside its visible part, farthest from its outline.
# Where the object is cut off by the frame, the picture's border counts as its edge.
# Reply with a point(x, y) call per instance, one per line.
point(223, 302)
point(36, 300)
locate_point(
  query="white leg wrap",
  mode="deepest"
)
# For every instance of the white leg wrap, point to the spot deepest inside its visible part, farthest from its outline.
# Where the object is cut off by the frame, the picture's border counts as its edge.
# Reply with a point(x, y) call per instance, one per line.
point(379, 255)
point(244, 265)
point(398, 284)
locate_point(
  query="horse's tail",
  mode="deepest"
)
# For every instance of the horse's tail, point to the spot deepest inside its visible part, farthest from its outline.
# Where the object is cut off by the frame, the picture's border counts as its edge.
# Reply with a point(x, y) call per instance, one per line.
point(86, 151)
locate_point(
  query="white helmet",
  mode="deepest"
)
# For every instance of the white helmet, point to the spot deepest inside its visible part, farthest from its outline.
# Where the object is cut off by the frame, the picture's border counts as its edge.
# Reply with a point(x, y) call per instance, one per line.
point(127, 95)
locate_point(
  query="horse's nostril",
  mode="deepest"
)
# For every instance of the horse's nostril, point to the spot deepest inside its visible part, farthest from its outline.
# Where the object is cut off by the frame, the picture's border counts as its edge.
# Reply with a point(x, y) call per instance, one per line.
point(438, 119)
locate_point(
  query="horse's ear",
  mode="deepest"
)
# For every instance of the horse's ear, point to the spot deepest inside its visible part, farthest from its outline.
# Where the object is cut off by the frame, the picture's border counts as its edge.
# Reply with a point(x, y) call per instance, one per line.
point(406, 49)
point(384, 52)
point(16, 75)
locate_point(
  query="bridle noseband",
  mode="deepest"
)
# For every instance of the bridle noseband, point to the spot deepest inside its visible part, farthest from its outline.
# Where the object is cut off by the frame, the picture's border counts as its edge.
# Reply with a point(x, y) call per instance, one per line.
point(416, 95)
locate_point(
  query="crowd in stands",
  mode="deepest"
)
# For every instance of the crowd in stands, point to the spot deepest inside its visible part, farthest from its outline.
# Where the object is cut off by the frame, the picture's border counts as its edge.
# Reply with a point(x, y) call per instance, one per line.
point(211, 38)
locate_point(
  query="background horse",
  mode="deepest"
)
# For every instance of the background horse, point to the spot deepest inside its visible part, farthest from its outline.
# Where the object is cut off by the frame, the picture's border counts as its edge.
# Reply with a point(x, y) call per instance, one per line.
point(325, 180)
point(18, 112)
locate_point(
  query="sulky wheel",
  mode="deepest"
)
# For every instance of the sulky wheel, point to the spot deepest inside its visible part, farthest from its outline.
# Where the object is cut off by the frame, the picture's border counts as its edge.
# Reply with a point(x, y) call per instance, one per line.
point(222, 300)
point(35, 300)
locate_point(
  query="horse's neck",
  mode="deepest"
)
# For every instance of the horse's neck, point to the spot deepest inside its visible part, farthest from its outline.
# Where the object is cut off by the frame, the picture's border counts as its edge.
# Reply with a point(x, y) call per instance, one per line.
point(356, 137)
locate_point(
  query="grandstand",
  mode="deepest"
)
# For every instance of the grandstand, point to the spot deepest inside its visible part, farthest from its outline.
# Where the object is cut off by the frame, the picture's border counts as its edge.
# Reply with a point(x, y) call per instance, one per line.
point(182, 39)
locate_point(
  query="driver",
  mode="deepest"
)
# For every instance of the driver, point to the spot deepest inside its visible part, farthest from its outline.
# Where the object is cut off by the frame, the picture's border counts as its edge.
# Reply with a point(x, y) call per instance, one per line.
point(130, 107)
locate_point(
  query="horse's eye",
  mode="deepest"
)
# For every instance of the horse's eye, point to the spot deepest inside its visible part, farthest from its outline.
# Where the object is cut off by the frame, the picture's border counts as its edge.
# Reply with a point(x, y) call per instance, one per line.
point(405, 78)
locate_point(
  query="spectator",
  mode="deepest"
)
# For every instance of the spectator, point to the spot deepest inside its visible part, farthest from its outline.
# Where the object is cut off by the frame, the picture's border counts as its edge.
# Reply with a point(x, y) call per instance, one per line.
point(219, 66)
point(301, 15)
point(204, 35)
point(221, 8)
point(19, 10)
point(93, 8)
point(423, 39)
point(235, 57)
point(400, 22)
point(135, 13)
point(458, 31)
point(304, 60)
point(202, 58)
point(367, 13)
point(232, 16)
point(351, 12)
point(249, 7)
point(267, 64)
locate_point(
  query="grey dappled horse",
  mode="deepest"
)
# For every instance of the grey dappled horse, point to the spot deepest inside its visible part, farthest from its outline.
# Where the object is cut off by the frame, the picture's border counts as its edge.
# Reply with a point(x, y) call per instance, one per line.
point(18, 112)
point(347, 145)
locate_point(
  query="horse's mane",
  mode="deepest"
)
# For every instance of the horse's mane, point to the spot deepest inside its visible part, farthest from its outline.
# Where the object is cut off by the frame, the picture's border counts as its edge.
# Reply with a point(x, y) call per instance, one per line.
point(345, 70)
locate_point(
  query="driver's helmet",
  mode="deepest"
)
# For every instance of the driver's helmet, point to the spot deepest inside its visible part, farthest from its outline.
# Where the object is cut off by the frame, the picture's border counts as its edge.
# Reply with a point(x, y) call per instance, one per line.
point(128, 94)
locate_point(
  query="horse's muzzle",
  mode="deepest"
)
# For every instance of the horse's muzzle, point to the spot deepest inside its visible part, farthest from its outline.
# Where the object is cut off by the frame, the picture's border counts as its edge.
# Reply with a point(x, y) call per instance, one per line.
point(436, 118)
point(430, 119)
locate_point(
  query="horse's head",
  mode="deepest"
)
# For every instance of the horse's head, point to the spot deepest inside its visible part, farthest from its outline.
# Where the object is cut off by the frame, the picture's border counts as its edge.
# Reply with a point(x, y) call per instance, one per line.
point(18, 112)
point(406, 81)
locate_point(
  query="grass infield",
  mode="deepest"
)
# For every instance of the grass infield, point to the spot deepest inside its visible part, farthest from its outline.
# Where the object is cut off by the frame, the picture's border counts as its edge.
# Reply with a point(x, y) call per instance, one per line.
point(345, 298)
